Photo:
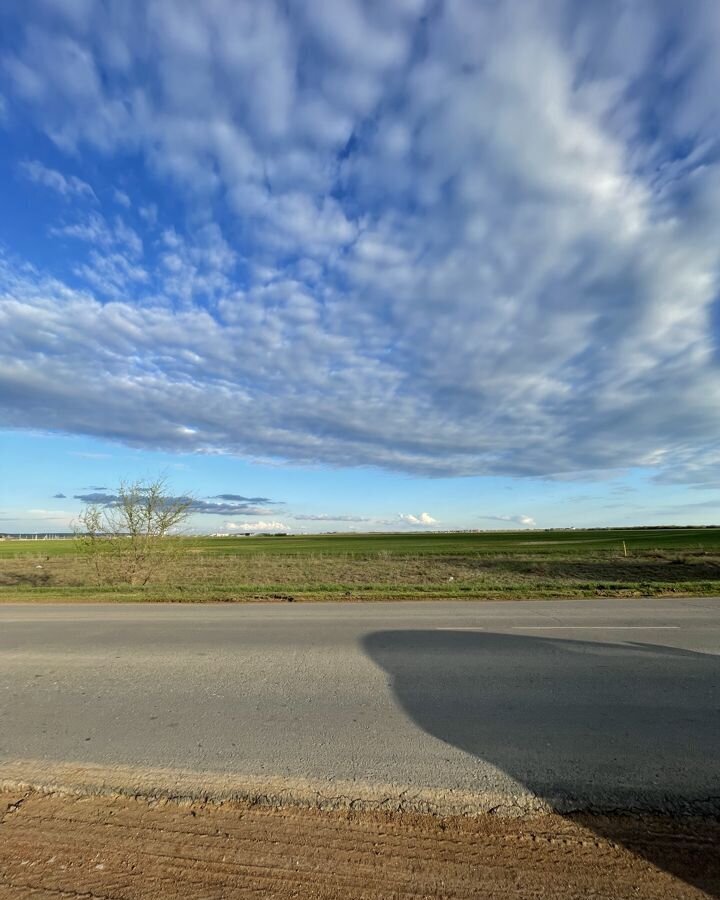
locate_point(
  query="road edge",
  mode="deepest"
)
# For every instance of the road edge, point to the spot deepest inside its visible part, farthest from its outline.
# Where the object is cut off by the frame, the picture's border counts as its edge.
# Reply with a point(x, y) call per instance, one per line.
point(156, 784)
point(182, 786)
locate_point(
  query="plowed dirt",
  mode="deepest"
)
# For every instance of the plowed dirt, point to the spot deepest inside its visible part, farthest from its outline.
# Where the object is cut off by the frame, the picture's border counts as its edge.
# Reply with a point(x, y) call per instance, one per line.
point(54, 846)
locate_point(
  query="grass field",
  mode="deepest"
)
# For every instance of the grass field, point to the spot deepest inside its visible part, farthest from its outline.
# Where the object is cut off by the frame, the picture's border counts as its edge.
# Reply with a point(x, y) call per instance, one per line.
point(491, 565)
point(563, 542)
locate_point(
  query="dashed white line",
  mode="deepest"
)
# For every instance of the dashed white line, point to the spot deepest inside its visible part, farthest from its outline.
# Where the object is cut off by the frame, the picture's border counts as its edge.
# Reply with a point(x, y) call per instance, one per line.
point(459, 628)
point(593, 627)
point(562, 627)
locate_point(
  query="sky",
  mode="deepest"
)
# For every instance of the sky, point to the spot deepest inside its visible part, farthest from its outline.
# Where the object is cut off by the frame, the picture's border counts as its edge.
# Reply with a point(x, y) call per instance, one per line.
point(343, 265)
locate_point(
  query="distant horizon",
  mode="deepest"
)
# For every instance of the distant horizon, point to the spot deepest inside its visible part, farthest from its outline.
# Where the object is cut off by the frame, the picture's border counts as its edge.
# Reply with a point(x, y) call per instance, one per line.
point(31, 535)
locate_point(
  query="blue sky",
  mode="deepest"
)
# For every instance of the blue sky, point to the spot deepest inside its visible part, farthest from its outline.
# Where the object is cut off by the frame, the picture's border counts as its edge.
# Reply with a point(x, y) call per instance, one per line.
point(356, 265)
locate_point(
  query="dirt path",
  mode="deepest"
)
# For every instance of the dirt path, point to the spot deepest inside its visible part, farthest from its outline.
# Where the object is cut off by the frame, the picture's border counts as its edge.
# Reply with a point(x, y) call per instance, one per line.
point(53, 846)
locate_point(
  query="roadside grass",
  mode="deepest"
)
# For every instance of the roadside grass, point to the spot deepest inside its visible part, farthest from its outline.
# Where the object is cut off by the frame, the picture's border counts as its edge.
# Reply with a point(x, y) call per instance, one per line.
point(196, 576)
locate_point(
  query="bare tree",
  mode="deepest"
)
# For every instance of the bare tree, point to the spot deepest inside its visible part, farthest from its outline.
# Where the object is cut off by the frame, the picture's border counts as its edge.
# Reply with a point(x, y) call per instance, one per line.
point(132, 535)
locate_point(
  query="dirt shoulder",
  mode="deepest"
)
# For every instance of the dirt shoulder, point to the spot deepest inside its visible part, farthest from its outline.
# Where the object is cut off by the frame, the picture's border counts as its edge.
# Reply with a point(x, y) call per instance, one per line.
point(56, 845)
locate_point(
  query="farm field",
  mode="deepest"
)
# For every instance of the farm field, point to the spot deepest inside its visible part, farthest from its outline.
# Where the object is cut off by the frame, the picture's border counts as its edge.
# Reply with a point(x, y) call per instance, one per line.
point(560, 541)
point(488, 565)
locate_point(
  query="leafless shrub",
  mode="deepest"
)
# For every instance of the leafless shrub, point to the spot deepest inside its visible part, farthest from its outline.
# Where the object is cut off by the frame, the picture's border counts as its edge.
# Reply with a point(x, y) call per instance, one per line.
point(132, 538)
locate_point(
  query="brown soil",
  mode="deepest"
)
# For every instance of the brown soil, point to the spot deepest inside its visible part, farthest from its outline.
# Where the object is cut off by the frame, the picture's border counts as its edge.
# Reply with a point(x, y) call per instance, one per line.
point(54, 846)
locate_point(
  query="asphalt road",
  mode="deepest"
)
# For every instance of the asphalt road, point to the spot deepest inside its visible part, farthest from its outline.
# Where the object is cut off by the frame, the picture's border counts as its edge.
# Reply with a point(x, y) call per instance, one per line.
point(607, 703)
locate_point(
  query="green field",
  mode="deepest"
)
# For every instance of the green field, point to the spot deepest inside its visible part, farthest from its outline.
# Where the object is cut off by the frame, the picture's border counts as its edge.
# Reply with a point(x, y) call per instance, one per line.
point(489, 565)
point(575, 541)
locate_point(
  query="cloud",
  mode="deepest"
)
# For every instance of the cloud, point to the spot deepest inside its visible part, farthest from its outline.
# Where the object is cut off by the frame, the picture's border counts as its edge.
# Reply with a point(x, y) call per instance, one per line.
point(32, 520)
point(122, 198)
point(351, 255)
point(195, 505)
point(700, 506)
point(212, 508)
point(322, 517)
point(59, 496)
point(114, 261)
point(517, 520)
point(423, 519)
point(238, 498)
point(257, 526)
point(95, 229)
point(99, 497)
point(66, 185)
point(226, 509)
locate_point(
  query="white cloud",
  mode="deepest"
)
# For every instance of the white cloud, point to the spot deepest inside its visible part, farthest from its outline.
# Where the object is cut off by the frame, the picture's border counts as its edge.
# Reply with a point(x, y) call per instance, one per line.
point(517, 520)
point(97, 230)
point(65, 185)
point(256, 526)
point(52, 519)
point(149, 213)
point(323, 517)
point(378, 267)
point(122, 198)
point(423, 519)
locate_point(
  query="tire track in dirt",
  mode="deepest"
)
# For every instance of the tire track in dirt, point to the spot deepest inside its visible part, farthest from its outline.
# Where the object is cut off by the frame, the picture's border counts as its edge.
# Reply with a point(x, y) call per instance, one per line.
point(120, 848)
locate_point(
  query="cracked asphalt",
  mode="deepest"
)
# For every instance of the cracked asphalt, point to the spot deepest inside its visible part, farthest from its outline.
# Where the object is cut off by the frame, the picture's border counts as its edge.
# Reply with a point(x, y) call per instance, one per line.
point(608, 704)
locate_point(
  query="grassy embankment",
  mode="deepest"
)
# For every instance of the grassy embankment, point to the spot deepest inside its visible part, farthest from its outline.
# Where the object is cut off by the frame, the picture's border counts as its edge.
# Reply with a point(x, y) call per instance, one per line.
point(497, 565)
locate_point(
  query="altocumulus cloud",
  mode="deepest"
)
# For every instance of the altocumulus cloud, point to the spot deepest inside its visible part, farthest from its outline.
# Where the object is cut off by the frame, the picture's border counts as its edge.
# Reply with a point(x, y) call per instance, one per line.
point(231, 507)
point(67, 186)
point(448, 238)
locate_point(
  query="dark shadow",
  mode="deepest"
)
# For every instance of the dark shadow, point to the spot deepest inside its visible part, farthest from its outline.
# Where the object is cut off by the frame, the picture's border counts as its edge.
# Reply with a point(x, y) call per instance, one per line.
point(590, 727)
point(611, 571)
point(27, 579)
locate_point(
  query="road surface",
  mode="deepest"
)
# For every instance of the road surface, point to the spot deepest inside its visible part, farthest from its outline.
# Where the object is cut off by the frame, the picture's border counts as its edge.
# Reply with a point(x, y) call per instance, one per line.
point(609, 703)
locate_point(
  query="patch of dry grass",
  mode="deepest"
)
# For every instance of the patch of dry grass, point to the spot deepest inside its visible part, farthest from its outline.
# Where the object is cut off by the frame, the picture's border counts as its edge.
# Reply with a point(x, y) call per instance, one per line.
point(197, 576)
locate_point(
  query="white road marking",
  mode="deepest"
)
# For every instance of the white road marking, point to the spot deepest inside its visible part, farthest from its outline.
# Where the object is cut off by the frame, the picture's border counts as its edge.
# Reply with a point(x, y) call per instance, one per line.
point(563, 627)
point(459, 628)
point(598, 627)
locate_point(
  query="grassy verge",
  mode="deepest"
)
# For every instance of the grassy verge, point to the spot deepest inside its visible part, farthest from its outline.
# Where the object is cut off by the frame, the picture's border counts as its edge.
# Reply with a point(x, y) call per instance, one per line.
point(245, 577)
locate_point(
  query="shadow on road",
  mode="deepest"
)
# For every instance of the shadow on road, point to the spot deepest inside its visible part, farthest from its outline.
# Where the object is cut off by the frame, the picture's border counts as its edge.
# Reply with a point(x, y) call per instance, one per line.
point(580, 724)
